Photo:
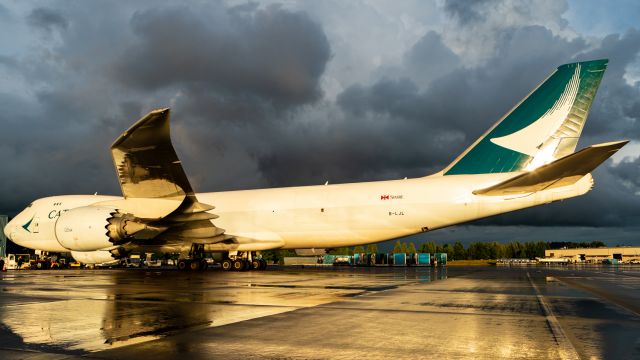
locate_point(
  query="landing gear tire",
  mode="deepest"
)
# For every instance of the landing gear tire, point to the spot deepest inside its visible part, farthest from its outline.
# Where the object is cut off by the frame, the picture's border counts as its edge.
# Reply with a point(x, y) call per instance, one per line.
point(256, 264)
point(227, 265)
point(194, 266)
point(239, 265)
point(263, 264)
point(182, 264)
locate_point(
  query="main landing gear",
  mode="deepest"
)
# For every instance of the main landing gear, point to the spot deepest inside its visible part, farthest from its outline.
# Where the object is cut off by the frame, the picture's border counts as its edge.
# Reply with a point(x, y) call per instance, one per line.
point(237, 261)
point(243, 261)
point(192, 264)
point(195, 261)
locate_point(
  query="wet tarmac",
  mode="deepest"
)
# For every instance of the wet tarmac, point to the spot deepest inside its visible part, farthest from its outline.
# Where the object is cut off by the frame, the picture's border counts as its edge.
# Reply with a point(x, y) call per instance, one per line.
point(377, 313)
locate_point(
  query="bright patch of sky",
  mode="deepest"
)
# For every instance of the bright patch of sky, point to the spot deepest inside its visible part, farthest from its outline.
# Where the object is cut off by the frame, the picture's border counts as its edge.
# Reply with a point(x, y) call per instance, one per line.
point(598, 18)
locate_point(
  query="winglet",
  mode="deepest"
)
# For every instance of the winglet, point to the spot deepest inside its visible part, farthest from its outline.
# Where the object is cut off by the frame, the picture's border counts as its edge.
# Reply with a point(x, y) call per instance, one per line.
point(146, 163)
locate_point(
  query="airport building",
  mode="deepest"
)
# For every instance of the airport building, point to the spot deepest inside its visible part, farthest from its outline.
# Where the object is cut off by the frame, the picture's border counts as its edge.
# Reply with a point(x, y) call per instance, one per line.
point(622, 254)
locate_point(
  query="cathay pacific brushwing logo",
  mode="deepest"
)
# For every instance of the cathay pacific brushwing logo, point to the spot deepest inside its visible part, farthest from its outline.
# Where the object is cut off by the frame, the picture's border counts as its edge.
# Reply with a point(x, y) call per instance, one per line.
point(529, 139)
point(26, 226)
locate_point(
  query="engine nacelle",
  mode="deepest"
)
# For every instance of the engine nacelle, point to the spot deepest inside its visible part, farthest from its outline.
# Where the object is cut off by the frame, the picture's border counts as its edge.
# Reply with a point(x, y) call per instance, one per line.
point(91, 228)
point(93, 257)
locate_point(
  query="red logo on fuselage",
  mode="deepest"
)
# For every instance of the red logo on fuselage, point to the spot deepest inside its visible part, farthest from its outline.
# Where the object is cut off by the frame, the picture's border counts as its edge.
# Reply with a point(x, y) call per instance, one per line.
point(384, 197)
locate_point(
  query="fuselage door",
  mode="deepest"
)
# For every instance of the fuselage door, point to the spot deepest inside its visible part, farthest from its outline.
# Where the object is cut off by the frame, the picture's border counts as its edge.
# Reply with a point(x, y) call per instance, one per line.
point(35, 225)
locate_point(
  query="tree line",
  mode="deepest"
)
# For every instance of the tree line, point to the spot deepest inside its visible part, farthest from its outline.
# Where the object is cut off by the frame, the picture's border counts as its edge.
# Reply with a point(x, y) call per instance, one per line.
point(455, 251)
point(475, 250)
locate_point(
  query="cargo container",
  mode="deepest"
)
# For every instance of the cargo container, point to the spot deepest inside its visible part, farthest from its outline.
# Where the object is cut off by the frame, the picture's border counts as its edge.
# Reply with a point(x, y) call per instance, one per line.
point(382, 259)
point(371, 259)
point(423, 259)
point(399, 259)
point(328, 259)
point(439, 259)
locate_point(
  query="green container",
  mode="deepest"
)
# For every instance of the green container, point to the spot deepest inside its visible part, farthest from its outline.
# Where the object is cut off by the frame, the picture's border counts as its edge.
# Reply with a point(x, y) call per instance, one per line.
point(424, 259)
point(440, 259)
point(399, 259)
point(329, 259)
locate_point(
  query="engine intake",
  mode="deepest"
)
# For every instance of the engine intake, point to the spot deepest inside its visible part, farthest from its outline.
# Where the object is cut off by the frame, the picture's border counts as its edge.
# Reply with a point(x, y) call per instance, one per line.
point(91, 228)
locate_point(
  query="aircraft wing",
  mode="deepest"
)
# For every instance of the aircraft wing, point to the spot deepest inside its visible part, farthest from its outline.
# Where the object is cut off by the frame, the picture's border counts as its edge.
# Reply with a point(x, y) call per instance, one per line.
point(562, 172)
point(155, 186)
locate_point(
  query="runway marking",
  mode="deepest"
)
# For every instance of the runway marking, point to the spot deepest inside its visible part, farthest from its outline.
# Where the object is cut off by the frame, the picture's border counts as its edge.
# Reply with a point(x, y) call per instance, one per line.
point(567, 350)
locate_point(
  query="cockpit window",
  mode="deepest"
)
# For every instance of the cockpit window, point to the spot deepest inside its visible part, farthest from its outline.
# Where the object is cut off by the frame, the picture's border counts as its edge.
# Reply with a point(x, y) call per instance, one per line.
point(28, 206)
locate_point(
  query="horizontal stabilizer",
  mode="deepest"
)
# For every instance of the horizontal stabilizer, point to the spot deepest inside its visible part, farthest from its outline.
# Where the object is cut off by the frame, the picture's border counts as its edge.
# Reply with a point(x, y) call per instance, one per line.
point(562, 172)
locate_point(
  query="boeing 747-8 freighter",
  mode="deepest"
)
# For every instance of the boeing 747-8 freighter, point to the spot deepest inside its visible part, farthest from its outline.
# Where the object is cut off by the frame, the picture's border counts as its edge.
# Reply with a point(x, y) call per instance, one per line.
point(526, 159)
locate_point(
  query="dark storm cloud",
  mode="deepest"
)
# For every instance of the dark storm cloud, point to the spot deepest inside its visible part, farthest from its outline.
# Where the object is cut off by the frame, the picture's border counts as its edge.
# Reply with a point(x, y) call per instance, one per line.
point(467, 11)
point(628, 172)
point(429, 58)
point(268, 54)
point(617, 109)
point(47, 19)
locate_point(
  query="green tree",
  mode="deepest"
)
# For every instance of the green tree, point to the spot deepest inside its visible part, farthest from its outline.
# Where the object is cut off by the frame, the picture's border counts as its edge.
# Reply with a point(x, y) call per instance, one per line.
point(397, 248)
point(411, 249)
point(358, 250)
point(447, 249)
point(428, 247)
point(372, 248)
point(339, 251)
point(458, 251)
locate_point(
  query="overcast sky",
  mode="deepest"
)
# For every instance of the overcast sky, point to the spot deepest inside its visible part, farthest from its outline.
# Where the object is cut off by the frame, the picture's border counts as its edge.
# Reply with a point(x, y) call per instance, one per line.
point(288, 93)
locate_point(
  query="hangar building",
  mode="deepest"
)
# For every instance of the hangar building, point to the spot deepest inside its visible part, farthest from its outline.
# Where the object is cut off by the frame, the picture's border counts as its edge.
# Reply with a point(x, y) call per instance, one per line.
point(623, 254)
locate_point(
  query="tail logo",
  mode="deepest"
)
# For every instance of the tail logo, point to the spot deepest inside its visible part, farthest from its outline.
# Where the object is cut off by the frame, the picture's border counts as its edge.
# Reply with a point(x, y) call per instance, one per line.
point(531, 139)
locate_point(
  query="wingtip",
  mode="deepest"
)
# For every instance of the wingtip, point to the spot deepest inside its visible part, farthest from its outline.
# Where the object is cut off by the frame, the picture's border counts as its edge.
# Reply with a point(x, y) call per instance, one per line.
point(160, 110)
point(614, 144)
point(150, 116)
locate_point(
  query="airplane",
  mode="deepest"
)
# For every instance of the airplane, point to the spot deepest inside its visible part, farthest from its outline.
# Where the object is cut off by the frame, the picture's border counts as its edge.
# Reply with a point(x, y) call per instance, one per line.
point(526, 159)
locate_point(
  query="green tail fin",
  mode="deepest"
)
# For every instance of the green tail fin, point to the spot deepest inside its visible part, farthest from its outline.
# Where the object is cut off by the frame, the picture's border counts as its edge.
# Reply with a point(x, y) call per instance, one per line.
point(544, 126)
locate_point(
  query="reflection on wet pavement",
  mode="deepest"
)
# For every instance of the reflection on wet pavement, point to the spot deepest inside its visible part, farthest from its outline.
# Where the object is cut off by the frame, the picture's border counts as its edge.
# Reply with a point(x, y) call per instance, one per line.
point(480, 312)
point(89, 311)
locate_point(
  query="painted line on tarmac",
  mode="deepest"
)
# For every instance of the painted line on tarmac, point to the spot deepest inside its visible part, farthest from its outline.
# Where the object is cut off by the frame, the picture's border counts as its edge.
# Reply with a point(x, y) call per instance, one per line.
point(567, 350)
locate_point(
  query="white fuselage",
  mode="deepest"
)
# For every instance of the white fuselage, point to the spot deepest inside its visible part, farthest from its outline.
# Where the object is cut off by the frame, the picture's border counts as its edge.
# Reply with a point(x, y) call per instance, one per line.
point(321, 216)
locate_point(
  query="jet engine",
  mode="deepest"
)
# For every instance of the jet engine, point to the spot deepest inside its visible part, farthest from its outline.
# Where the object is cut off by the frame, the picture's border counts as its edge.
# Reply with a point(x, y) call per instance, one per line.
point(93, 257)
point(91, 228)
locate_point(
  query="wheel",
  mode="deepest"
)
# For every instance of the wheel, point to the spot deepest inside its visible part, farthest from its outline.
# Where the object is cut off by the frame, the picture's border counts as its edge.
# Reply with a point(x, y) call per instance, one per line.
point(263, 264)
point(227, 265)
point(182, 264)
point(194, 265)
point(256, 264)
point(39, 265)
point(238, 265)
